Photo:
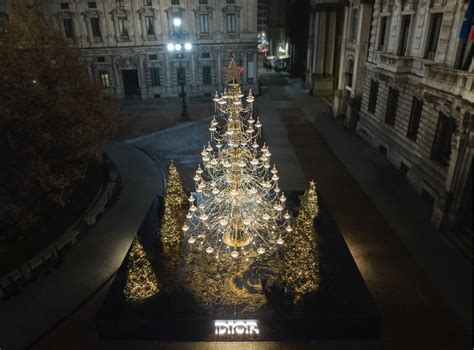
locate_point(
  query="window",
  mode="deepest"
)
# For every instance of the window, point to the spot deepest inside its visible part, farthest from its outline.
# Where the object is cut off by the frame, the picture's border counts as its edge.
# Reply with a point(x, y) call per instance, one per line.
point(374, 90)
point(441, 149)
point(204, 23)
point(405, 30)
point(181, 75)
point(68, 28)
point(95, 26)
point(349, 74)
point(152, 57)
point(433, 33)
point(392, 102)
point(123, 26)
point(231, 1)
point(100, 59)
point(354, 21)
point(155, 76)
point(231, 23)
point(383, 33)
point(92, 4)
point(150, 25)
point(202, 2)
point(206, 76)
point(104, 79)
point(120, 3)
point(147, 3)
point(415, 117)
point(174, 2)
point(206, 55)
point(64, 6)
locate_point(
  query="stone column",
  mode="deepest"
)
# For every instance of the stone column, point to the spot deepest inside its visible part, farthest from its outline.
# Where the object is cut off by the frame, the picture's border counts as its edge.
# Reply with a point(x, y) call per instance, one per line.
point(320, 48)
point(315, 43)
point(193, 69)
point(219, 70)
point(330, 44)
point(309, 54)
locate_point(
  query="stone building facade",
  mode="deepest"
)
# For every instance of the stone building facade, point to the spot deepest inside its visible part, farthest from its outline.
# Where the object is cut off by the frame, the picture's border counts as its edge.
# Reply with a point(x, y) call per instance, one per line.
point(406, 84)
point(125, 43)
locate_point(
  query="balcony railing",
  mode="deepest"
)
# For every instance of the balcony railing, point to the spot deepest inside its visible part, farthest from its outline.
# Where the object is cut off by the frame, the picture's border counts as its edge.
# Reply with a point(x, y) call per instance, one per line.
point(395, 64)
point(453, 81)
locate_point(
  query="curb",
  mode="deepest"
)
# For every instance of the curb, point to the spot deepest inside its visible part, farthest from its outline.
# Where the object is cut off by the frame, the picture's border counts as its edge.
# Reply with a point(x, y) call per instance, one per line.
point(152, 135)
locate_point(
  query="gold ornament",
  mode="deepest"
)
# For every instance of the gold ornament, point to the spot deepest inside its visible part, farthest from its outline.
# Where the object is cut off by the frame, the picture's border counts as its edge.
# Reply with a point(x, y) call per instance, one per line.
point(301, 272)
point(141, 282)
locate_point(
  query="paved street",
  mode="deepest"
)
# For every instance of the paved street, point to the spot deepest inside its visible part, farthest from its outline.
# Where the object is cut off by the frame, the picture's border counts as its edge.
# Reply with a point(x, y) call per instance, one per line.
point(421, 285)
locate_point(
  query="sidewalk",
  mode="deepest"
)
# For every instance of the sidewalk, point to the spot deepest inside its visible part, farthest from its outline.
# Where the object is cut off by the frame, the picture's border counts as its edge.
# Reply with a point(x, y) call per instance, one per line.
point(406, 212)
point(88, 264)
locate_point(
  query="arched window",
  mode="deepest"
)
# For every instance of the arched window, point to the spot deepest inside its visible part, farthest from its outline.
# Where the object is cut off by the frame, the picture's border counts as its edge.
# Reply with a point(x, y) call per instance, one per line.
point(349, 74)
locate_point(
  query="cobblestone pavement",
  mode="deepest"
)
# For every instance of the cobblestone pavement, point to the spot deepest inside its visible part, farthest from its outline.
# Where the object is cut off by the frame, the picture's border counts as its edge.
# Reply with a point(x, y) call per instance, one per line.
point(413, 311)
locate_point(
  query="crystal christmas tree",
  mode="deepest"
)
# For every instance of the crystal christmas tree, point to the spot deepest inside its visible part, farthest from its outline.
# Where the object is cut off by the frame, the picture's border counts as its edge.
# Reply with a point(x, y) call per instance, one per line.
point(239, 209)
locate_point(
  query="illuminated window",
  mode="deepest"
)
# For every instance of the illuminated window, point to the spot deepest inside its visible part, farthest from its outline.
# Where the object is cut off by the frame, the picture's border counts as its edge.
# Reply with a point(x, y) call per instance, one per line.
point(104, 79)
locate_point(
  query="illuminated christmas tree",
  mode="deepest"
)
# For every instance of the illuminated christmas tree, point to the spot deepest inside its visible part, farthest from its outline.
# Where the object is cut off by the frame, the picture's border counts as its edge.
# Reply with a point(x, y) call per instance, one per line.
point(300, 272)
point(141, 282)
point(173, 216)
point(239, 208)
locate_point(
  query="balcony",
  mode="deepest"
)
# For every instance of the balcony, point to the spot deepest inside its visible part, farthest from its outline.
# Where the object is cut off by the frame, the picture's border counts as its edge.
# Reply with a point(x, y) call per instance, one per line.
point(452, 81)
point(395, 64)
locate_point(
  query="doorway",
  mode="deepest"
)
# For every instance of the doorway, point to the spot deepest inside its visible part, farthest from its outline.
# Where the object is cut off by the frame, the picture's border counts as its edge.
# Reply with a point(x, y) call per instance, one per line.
point(130, 83)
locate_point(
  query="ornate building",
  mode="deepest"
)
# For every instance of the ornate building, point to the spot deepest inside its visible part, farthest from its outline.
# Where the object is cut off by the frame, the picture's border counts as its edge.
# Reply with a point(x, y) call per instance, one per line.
point(406, 84)
point(125, 43)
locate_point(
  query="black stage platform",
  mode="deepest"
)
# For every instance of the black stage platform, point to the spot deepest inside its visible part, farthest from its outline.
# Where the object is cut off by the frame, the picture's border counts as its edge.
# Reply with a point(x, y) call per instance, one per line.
point(203, 301)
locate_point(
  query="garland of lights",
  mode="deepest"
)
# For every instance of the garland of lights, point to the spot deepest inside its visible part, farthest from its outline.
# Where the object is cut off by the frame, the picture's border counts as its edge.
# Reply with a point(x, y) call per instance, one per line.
point(239, 208)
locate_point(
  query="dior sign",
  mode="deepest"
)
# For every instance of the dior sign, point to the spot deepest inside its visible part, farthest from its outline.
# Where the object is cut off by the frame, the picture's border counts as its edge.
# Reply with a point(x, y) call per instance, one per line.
point(236, 327)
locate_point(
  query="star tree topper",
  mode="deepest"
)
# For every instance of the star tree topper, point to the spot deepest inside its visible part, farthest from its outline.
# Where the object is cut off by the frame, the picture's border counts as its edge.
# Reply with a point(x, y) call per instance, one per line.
point(233, 72)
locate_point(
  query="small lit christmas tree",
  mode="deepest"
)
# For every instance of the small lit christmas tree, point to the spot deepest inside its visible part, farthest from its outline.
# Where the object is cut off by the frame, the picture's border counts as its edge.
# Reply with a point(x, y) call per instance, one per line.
point(173, 216)
point(141, 281)
point(301, 255)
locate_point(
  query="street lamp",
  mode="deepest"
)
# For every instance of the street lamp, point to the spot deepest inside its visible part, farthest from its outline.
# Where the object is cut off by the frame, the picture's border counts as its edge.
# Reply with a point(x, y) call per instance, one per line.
point(178, 47)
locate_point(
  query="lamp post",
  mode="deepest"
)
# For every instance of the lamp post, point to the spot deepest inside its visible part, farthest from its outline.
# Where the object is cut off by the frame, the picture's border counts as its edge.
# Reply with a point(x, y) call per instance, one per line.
point(178, 47)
